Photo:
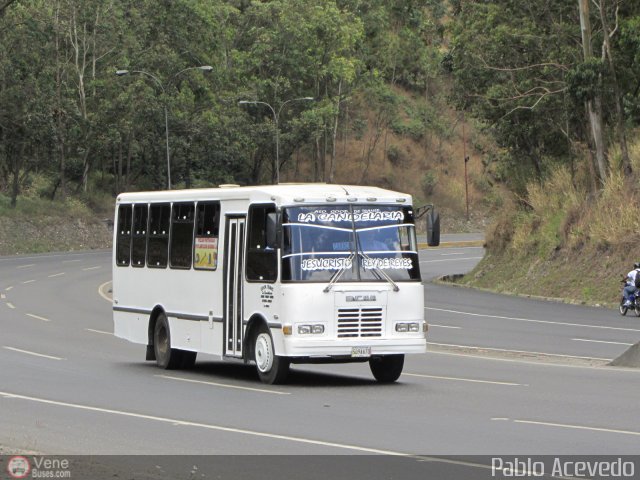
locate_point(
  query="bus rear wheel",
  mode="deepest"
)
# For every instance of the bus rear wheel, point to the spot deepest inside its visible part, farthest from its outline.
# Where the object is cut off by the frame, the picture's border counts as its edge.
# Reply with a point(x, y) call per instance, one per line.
point(272, 369)
point(166, 357)
point(387, 368)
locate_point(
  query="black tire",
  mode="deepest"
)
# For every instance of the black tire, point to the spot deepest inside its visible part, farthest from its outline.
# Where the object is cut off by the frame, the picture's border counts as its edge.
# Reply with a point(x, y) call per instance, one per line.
point(387, 368)
point(272, 369)
point(636, 310)
point(622, 308)
point(166, 357)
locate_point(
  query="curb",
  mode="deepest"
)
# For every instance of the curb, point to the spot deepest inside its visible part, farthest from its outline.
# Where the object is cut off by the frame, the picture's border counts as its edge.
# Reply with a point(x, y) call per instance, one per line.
point(449, 280)
point(466, 243)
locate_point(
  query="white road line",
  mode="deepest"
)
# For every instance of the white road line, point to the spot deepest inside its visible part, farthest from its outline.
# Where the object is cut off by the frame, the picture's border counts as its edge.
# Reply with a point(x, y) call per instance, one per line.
point(26, 266)
point(600, 341)
point(500, 419)
point(11, 305)
point(455, 253)
point(2, 296)
point(102, 294)
point(91, 268)
point(450, 259)
point(8, 289)
point(444, 326)
point(37, 317)
point(579, 427)
point(474, 347)
point(71, 261)
point(56, 275)
point(208, 426)
point(224, 385)
point(32, 353)
point(54, 255)
point(471, 380)
point(98, 331)
point(28, 281)
point(531, 320)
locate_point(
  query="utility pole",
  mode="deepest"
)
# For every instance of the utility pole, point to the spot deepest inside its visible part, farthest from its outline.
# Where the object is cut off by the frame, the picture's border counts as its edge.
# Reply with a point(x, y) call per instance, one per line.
point(466, 160)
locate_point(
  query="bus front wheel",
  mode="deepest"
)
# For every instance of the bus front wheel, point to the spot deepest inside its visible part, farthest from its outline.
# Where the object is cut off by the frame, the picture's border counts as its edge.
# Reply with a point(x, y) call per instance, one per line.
point(166, 357)
point(387, 368)
point(272, 369)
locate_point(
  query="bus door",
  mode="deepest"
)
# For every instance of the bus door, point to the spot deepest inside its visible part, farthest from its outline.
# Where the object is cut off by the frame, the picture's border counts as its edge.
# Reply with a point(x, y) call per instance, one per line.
point(233, 281)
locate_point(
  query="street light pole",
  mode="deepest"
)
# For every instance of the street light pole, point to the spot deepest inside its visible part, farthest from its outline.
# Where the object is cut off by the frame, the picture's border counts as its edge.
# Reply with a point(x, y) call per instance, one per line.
point(276, 119)
point(204, 68)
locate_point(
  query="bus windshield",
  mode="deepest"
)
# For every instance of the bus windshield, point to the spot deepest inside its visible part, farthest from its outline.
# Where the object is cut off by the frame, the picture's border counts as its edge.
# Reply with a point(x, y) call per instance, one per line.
point(364, 241)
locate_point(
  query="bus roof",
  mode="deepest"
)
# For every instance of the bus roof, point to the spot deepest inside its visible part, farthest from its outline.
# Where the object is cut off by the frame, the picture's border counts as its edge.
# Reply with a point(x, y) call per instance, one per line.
point(282, 194)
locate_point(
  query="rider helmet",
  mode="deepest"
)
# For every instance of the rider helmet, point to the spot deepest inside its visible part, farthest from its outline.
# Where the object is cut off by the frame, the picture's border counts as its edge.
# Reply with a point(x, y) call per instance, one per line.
point(636, 265)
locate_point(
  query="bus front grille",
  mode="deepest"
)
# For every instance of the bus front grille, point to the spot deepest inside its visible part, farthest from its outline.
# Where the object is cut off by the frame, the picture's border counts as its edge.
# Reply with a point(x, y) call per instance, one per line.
point(360, 322)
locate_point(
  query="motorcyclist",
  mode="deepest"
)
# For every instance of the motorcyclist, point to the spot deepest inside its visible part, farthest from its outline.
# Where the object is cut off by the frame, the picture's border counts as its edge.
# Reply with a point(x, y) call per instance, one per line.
point(631, 286)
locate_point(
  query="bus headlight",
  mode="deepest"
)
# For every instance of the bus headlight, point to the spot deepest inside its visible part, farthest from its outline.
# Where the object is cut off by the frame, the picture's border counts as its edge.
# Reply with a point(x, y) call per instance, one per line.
point(405, 327)
point(315, 329)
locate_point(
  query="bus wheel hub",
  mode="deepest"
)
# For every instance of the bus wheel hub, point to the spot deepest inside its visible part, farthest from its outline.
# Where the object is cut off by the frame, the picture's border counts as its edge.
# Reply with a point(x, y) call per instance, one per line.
point(264, 353)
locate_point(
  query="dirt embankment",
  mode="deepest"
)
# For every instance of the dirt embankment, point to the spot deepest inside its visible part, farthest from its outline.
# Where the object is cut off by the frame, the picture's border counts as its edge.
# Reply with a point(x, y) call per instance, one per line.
point(20, 235)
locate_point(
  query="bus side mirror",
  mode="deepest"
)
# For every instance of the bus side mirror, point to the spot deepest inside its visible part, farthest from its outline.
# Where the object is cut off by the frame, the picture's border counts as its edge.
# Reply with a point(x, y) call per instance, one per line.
point(433, 228)
point(272, 223)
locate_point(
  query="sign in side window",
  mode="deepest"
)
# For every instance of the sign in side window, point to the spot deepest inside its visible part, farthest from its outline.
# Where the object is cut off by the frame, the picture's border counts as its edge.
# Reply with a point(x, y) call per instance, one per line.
point(123, 239)
point(181, 235)
point(262, 258)
point(158, 237)
point(139, 242)
point(205, 246)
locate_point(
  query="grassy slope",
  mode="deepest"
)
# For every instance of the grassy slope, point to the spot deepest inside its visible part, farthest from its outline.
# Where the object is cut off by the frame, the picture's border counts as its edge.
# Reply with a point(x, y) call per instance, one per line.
point(565, 242)
point(37, 225)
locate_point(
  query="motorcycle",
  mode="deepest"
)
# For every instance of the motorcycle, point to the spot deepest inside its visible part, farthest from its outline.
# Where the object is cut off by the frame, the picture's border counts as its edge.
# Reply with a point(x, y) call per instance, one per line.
point(635, 304)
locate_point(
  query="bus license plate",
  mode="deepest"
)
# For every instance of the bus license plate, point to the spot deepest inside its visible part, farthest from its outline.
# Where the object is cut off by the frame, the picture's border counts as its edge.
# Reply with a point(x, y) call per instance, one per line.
point(360, 351)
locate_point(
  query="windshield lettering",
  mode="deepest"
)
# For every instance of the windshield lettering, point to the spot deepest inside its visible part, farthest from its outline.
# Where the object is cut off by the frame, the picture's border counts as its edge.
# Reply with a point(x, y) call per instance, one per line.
point(374, 215)
point(326, 263)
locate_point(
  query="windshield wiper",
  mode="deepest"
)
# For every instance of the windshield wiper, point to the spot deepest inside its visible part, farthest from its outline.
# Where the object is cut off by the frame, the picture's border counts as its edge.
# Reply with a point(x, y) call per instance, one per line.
point(336, 276)
point(381, 272)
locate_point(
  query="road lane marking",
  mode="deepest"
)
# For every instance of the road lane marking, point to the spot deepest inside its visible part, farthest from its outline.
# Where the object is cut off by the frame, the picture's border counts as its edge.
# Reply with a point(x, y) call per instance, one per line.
point(471, 380)
point(450, 259)
point(102, 294)
point(500, 419)
point(600, 341)
point(11, 305)
point(224, 385)
point(2, 296)
point(57, 275)
point(209, 426)
point(455, 253)
point(91, 268)
point(443, 326)
point(474, 347)
point(98, 331)
point(579, 427)
point(37, 257)
point(71, 261)
point(8, 289)
point(531, 320)
point(32, 353)
point(28, 281)
point(37, 317)
point(26, 266)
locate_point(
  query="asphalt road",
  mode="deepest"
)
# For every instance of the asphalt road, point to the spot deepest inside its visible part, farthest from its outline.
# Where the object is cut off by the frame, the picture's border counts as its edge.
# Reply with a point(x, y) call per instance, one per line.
point(67, 386)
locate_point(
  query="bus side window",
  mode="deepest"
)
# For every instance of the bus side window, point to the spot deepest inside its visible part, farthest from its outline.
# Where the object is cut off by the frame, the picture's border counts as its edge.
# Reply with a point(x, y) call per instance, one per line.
point(262, 259)
point(123, 246)
point(139, 242)
point(205, 248)
point(181, 235)
point(158, 237)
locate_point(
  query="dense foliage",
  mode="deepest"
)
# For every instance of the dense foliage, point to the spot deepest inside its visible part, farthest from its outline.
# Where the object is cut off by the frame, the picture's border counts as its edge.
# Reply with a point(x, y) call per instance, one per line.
point(67, 117)
point(548, 78)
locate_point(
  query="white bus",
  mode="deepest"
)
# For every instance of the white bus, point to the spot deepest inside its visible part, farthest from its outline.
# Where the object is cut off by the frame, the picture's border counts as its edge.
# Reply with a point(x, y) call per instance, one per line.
point(271, 275)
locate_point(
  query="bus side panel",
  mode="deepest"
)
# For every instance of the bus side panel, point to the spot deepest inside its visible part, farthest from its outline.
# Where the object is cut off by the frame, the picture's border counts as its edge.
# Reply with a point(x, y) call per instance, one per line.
point(185, 334)
point(131, 326)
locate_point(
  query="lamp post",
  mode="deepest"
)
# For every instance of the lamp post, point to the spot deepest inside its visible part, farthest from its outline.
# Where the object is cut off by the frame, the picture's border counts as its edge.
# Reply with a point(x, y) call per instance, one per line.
point(122, 73)
point(276, 119)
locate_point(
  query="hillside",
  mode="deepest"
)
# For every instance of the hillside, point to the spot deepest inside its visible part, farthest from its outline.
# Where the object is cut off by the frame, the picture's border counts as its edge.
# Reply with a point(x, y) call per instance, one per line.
point(563, 241)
